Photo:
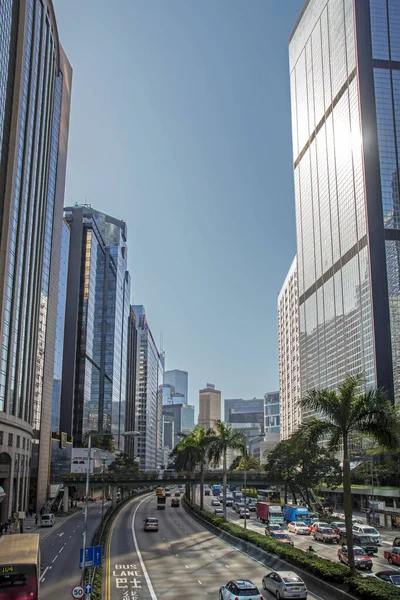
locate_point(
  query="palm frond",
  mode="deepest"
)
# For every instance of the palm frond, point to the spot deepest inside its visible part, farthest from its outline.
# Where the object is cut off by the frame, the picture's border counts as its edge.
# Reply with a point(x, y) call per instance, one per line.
point(311, 432)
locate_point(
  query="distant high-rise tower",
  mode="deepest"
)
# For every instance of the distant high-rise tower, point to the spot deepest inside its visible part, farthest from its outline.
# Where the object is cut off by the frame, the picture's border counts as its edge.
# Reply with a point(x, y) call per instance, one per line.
point(35, 89)
point(345, 89)
point(179, 380)
point(209, 406)
point(289, 354)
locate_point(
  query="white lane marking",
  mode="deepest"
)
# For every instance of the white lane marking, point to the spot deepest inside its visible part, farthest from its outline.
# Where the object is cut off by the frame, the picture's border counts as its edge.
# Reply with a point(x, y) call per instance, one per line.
point(212, 554)
point(176, 554)
point(44, 573)
point(198, 581)
point(61, 550)
point(227, 566)
point(145, 573)
point(55, 558)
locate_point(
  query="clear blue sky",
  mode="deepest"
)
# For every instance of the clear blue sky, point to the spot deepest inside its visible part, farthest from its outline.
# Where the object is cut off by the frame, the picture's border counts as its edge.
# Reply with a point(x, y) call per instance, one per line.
point(180, 125)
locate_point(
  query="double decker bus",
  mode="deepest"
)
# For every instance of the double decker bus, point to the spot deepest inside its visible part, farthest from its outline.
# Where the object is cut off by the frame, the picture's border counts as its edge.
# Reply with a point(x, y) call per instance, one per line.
point(19, 567)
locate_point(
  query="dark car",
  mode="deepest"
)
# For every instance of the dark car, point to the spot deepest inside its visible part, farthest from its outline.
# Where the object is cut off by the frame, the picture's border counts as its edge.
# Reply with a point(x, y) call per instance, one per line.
point(175, 502)
point(207, 493)
point(177, 494)
point(392, 577)
point(366, 543)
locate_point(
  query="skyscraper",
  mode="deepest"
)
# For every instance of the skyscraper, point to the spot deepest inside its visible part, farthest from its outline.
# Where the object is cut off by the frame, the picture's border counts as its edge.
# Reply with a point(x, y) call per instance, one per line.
point(181, 417)
point(289, 354)
point(169, 395)
point(94, 382)
point(179, 380)
point(345, 89)
point(209, 406)
point(150, 372)
point(35, 87)
point(130, 422)
point(245, 414)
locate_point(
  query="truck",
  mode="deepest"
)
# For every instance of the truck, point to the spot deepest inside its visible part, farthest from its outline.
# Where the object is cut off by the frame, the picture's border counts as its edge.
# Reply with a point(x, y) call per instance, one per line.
point(161, 500)
point(393, 556)
point(296, 513)
point(216, 490)
point(268, 512)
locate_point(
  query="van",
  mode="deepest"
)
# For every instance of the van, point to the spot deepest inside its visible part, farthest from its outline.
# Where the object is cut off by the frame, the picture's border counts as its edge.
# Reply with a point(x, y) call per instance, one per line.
point(368, 530)
point(47, 520)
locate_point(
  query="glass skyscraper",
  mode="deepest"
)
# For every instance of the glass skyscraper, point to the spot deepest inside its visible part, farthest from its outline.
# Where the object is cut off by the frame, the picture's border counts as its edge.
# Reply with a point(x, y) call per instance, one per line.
point(35, 87)
point(345, 90)
point(94, 385)
point(179, 380)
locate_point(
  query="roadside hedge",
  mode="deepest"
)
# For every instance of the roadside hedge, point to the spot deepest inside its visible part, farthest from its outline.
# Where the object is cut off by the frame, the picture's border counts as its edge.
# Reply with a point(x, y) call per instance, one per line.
point(325, 569)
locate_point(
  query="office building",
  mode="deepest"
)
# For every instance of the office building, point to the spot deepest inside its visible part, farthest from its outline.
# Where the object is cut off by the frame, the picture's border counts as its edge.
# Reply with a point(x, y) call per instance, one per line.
point(245, 414)
point(209, 406)
point(150, 374)
point(170, 396)
point(35, 87)
point(181, 416)
point(94, 381)
point(344, 75)
point(289, 354)
point(130, 423)
point(272, 417)
point(179, 381)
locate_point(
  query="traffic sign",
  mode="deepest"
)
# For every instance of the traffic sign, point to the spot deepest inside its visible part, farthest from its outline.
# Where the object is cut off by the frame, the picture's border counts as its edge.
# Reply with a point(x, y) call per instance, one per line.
point(93, 556)
point(77, 591)
point(88, 588)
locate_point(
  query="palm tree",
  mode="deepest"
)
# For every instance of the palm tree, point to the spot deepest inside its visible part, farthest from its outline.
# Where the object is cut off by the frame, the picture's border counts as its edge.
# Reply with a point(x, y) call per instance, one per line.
point(346, 412)
point(200, 438)
point(224, 438)
point(185, 457)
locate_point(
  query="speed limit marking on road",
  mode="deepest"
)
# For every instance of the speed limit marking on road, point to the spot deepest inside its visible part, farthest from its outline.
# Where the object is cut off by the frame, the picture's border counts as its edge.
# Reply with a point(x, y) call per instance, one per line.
point(77, 591)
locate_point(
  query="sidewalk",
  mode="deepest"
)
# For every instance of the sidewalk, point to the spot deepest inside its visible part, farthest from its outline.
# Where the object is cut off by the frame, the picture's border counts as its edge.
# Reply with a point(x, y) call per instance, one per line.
point(61, 518)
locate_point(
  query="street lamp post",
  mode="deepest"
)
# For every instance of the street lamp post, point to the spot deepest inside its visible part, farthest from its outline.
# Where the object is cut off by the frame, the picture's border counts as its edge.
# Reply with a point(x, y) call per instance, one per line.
point(245, 486)
point(104, 490)
point(126, 434)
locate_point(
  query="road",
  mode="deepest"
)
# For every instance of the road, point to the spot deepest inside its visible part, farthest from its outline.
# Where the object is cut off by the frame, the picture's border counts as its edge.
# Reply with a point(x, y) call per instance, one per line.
point(303, 541)
point(181, 558)
point(60, 554)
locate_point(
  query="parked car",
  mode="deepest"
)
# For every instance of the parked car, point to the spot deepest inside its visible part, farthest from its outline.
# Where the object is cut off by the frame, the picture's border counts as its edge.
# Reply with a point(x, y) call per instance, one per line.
point(239, 588)
point(150, 524)
point(298, 528)
point(371, 532)
point(215, 502)
point(361, 559)
point(273, 528)
point(285, 584)
point(282, 537)
point(392, 577)
point(326, 535)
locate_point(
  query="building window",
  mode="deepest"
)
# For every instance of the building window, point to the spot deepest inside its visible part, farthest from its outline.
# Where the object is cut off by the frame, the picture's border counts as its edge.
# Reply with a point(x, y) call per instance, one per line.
point(18, 441)
point(23, 443)
point(1, 437)
point(10, 439)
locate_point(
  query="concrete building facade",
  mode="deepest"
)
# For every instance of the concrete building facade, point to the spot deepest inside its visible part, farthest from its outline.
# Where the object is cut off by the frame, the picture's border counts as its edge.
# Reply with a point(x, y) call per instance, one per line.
point(209, 406)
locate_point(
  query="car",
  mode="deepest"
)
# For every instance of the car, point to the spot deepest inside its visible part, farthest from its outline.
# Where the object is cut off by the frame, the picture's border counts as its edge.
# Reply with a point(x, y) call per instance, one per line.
point(365, 542)
point(240, 506)
point(150, 524)
point(285, 584)
point(392, 577)
point(338, 526)
point(282, 537)
point(361, 559)
point(215, 502)
point(175, 502)
point(47, 520)
point(177, 494)
point(326, 535)
point(298, 528)
point(371, 532)
point(207, 493)
point(229, 500)
point(244, 512)
point(252, 505)
point(316, 524)
point(273, 528)
point(239, 588)
point(219, 511)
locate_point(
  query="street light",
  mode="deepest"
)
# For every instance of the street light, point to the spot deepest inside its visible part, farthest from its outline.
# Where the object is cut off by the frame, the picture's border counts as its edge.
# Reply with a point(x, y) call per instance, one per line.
point(126, 434)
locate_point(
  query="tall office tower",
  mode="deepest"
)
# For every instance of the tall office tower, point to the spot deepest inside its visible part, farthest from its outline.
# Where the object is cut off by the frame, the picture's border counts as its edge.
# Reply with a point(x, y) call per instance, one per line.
point(209, 406)
point(182, 418)
point(179, 380)
point(245, 414)
point(150, 373)
point(289, 354)
point(93, 387)
point(271, 418)
point(169, 395)
point(345, 89)
point(130, 423)
point(35, 87)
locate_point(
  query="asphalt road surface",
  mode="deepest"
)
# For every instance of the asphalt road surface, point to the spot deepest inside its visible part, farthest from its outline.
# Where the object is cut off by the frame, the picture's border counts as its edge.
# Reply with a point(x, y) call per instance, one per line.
point(60, 554)
point(181, 559)
point(303, 541)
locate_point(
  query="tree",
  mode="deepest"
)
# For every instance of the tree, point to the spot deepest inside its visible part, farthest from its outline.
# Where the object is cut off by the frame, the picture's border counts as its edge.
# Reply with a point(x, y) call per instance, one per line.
point(224, 438)
point(345, 412)
point(235, 463)
point(198, 441)
point(185, 457)
point(123, 464)
point(281, 465)
point(251, 463)
point(103, 441)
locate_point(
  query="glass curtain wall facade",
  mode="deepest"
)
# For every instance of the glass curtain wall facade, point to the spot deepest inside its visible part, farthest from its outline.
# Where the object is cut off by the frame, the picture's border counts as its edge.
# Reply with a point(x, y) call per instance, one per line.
point(179, 380)
point(130, 421)
point(182, 418)
point(245, 414)
point(35, 86)
point(343, 103)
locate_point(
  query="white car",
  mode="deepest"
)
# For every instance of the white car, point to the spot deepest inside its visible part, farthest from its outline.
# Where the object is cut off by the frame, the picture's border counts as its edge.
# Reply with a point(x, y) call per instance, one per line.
point(215, 503)
point(285, 584)
point(239, 588)
point(299, 528)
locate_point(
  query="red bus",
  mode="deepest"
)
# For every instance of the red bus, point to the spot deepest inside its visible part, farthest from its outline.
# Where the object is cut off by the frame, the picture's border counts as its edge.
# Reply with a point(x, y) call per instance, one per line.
point(19, 567)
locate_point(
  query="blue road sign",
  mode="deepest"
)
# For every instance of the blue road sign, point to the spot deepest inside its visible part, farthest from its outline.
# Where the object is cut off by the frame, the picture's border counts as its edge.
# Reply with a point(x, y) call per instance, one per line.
point(88, 588)
point(93, 557)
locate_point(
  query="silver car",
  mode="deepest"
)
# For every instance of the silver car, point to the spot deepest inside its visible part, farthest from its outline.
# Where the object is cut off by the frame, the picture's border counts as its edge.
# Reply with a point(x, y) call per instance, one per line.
point(285, 584)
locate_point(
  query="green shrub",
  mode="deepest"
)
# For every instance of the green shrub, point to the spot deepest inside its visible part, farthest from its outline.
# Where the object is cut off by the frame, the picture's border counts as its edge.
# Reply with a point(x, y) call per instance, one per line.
point(372, 589)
